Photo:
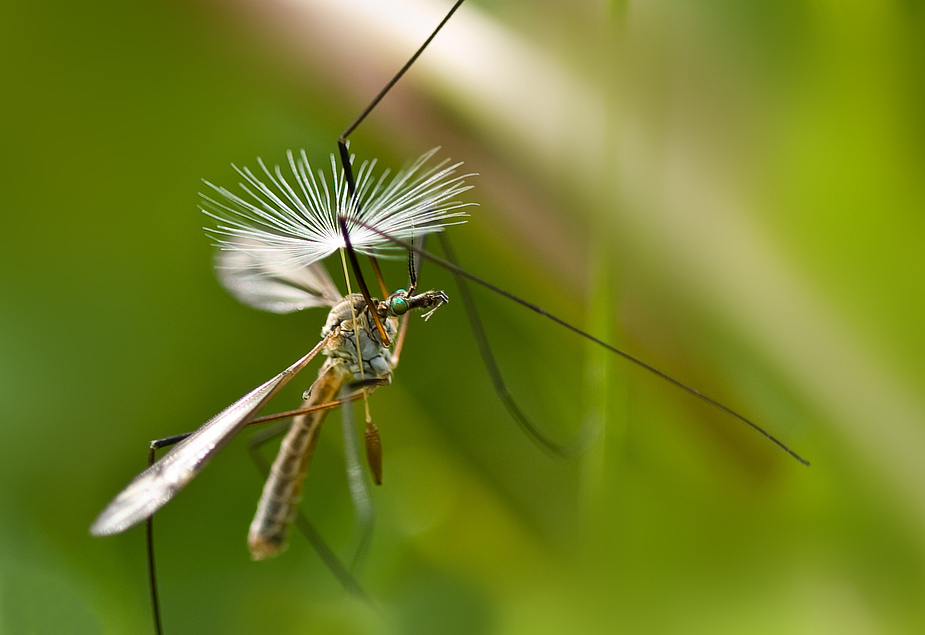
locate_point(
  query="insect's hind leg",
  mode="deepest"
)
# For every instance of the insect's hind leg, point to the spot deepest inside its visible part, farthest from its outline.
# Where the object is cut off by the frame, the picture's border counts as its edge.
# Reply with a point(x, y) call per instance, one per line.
point(336, 567)
point(359, 490)
point(156, 445)
point(580, 440)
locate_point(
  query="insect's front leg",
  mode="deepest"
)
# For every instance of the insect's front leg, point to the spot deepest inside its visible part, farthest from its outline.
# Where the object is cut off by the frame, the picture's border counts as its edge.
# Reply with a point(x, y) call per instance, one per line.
point(432, 300)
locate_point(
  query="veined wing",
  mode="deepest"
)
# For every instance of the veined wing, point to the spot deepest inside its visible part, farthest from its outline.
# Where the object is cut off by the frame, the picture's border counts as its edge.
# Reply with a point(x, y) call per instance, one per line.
point(265, 278)
point(154, 487)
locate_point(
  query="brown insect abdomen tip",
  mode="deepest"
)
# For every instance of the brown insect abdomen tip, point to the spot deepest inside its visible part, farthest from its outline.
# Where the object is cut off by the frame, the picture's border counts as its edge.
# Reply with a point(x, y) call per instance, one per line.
point(262, 549)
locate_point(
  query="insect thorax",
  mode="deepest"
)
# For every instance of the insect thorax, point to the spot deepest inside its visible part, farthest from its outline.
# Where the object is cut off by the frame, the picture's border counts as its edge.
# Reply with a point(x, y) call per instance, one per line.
point(377, 359)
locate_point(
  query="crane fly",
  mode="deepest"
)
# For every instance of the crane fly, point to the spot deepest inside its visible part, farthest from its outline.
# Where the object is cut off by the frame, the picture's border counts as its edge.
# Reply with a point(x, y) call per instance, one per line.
point(270, 252)
point(272, 239)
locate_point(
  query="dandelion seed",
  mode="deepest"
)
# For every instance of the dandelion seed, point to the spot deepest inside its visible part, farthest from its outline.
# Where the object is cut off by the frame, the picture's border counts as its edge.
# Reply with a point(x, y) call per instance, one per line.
point(297, 226)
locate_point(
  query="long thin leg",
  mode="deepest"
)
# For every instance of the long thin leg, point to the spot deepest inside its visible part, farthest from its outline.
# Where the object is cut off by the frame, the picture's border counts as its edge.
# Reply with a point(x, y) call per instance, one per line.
point(491, 364)
point(373, 442)
point(400, 339)
point(351, 254)
point(613, 349)
point(342, 142)
point(318, 543)
point(149, 548)
point(348, 166)
point(356, 482)
point(379, 278)
point(325, 406)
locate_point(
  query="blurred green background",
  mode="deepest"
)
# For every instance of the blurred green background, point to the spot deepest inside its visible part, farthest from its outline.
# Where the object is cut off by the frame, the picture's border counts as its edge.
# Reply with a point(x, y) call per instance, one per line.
point(731, 190)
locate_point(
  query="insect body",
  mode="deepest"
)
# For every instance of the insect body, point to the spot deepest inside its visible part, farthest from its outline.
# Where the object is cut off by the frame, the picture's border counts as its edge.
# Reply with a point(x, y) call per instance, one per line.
point(271, 245)
point(272, 239)
point(354, 349)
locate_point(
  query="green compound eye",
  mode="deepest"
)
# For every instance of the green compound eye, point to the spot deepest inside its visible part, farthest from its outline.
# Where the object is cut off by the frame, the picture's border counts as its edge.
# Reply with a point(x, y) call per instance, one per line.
point(399, 305)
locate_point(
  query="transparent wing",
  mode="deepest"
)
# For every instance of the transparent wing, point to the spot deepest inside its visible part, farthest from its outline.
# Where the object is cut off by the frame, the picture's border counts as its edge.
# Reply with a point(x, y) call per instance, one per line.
point(154, 487)
point(266, 279)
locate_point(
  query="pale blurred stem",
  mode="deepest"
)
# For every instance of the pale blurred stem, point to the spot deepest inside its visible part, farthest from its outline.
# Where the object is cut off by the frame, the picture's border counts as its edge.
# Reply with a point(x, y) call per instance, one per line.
point(603, 411)
point(605, 394)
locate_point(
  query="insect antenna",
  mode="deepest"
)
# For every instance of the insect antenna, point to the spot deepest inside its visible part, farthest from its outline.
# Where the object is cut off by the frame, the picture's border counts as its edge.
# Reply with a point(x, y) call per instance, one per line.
point(406, 320)
point(456, 270)
point(413, 261)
